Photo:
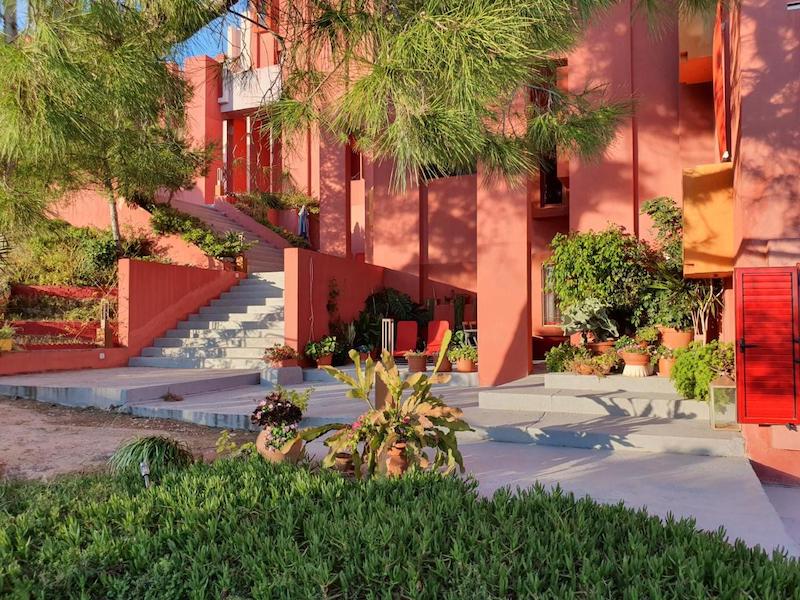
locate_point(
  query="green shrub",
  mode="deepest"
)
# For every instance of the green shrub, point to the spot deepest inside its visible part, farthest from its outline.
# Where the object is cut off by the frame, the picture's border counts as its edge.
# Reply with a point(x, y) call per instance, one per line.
point(246, 528)
point(166, 219)
point(608, 265)
point(698, 364)
point(162, 454)
point(54, 308)
point(557, 357)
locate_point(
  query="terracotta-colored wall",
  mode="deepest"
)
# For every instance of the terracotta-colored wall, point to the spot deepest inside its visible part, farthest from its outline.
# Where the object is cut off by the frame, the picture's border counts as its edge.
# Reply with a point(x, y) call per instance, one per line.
point(91, 209)
point(204, 122)
point(153, 298)
point(334, 208)
point(774, 452)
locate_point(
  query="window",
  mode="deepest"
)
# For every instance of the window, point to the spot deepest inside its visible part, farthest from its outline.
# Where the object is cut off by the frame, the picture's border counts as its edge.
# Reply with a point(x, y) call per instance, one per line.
point(551, 188)
point(551, 315)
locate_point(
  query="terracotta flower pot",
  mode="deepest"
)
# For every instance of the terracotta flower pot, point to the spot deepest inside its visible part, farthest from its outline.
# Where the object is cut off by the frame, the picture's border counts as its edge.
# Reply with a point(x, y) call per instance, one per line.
point(635, 360)
point(276, 456)
point(286, 362)
point(325, 361)
point(363, 356)
point(665, 366)
point(396, 461)
point(6, 345)
point(601, 347)
point(417, 364)
point(343, 462)
point(674, 339)
point(446, 366)
point(273, 216)
point(465, 365)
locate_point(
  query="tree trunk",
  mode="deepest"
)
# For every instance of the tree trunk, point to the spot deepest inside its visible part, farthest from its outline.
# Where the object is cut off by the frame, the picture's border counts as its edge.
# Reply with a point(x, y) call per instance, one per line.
point(112, 205)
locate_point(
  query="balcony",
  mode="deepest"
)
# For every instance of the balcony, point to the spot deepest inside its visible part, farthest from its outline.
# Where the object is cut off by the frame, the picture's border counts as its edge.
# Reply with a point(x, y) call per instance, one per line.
point(250, 89)
point(708, 244)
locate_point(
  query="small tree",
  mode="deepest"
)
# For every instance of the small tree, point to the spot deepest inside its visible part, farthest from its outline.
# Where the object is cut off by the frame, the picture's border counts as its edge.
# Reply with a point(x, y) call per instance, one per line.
point(90, 98)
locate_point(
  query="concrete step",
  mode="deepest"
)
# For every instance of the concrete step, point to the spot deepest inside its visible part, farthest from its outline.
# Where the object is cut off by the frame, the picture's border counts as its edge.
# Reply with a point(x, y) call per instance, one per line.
point(240, 322)
point(206, 351)
point(644, 434)
point(315, 375)
point(270, 306)
point(221, 334)
point(114, 388)
point(241, 302)
point(611, 383)
point(167, 362)
point(236, 342)
point(269, 276)
point(597, 402)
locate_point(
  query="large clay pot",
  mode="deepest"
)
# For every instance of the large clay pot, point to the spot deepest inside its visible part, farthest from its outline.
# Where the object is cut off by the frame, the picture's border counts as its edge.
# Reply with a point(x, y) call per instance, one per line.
point(417, 364)
point(325, 361)
point(363, 356)
point(286, 362)
point(276, 456)
point(446, 366)
point(273, 216)
point(396, 461)
point(635, 360)
point(674, 339)
point(598, 348)
point(665, 366)
point(465, 365)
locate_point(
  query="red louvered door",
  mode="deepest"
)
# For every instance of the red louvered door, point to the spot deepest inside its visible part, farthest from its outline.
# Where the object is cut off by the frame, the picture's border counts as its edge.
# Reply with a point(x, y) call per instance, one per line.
point(767, 345)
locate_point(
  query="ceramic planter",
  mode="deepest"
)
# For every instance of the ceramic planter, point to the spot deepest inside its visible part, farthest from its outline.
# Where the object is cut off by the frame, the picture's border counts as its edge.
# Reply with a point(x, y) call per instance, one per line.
point(417, 364)
point(396, 461)
point(286, 362)
point(465, 365)
point(6, 345)
point(325, 361)
point(665, 366)
point(674, 339)
point(276, 456)
point(273, 216)
point(601, 347)
point(363, 356)
point(635, 360)
point(446, 366)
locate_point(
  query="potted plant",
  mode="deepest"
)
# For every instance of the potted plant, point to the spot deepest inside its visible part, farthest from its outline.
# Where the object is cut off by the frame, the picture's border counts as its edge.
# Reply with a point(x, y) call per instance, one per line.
point(279, 415)
point(322, 351)
point(666, 360)
point(364, 351)
point(635, 355)
point(280, 356)
point(6, 338)
point(413, 431)
point(465, 357)
point(647, 336)
point(599, 365)
point(417, 361)
point(590, 317)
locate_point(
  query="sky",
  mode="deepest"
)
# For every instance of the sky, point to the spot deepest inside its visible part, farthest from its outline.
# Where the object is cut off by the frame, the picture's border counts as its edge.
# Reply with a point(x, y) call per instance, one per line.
point(209, 40)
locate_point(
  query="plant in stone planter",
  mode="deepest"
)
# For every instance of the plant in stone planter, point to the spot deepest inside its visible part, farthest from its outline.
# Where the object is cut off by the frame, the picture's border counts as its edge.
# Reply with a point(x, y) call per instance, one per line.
point(417, 361)
point(590, 317)
point(465, 357)
point(666, 360)
point(6, 338)
point(598, 365)
point(281, 355)
point(322, 351)
point(557, 357)
point(636, 355)
point(279, 417)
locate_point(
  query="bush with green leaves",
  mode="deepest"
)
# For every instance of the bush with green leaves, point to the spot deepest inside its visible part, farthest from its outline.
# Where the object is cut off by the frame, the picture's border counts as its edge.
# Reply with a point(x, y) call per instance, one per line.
point(166, 219)
point(249, 529)
point(557, 357)
point(162, 454)
point(610, 266)
point(324, 347)
point(696, 366)
point(589, 316)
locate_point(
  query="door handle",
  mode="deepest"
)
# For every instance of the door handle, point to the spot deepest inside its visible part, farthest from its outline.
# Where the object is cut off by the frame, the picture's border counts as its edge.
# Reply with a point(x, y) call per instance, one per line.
point(743, 346)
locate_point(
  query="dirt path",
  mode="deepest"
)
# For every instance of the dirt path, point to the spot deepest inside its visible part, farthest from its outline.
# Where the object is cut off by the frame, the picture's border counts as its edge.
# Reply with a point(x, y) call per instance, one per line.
point(40, 441)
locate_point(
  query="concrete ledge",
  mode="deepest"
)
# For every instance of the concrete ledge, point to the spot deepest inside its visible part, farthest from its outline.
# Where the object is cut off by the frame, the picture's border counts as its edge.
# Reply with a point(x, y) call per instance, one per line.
point(283, 376)
point(612, 383)
point(456, 379)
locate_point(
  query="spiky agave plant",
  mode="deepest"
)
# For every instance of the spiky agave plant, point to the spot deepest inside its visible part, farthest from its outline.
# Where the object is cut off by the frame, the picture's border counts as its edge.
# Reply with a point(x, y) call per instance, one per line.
point(161, 453)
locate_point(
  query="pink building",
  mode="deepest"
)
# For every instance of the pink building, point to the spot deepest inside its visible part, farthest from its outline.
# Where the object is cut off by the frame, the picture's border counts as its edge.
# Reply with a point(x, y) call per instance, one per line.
point(715, 117)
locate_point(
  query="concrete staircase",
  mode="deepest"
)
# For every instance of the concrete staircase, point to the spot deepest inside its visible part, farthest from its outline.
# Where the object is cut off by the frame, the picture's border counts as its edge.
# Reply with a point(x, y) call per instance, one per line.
point(232, 332)
point(610, 413)
point(261, 258)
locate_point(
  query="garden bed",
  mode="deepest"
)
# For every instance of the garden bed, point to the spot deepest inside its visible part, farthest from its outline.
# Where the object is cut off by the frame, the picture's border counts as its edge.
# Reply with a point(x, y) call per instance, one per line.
point(246, 528)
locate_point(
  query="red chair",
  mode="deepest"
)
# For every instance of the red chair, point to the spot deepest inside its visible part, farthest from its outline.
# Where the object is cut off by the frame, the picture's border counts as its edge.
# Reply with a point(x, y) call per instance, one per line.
point(436, 331)
point(406, 338)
